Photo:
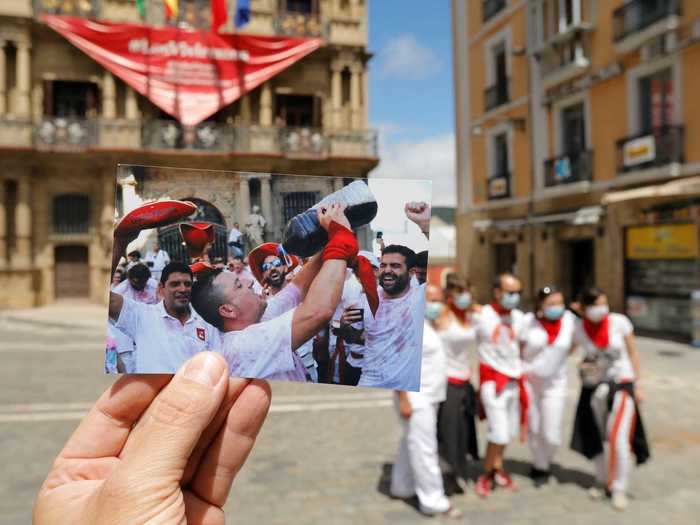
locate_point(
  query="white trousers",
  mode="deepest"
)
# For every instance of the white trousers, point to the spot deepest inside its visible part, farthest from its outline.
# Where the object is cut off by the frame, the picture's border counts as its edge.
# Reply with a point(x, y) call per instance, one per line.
point(614, 464)
point(545, 414)
point(502, 411)
point(416, 468)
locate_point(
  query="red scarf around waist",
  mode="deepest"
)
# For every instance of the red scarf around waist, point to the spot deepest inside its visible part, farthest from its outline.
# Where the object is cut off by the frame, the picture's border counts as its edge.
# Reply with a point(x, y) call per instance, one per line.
point(598, 333)
point(488, 373)
point(552, 328)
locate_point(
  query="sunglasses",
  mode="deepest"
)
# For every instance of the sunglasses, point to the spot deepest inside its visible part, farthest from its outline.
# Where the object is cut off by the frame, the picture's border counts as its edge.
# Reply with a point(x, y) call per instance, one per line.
point(272, 264)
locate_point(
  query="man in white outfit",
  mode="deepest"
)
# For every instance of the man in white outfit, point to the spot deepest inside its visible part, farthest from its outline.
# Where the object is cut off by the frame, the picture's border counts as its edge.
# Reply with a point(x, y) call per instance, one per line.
point(416, 469)
point(156, 260)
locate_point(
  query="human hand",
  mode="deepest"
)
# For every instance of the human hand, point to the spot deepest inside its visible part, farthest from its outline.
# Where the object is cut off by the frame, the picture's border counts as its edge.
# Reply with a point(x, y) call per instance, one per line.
point(405, 408)
point(157, 448)
point(351, 315)
point(638, 393)
point(418, 212)
point(333, 212)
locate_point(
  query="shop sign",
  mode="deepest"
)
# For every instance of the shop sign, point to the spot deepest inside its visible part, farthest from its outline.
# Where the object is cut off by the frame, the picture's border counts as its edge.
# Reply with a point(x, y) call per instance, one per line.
point(670, 241)
point(639, 151)
point(498, 187)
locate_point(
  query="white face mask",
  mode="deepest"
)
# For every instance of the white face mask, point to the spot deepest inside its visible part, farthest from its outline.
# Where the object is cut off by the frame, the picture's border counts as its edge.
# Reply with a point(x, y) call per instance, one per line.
point(597, 313)
point(463, 300)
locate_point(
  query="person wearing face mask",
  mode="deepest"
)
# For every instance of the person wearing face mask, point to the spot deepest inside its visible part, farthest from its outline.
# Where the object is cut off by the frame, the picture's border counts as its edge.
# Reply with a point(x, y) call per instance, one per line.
point(547, 342)
point(416, 470)
point(457, 414)
point(608, 426)
point(499, 327)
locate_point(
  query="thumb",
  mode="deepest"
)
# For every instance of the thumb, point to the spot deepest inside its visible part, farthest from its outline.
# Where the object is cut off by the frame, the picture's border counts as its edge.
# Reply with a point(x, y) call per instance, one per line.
point(163, 440)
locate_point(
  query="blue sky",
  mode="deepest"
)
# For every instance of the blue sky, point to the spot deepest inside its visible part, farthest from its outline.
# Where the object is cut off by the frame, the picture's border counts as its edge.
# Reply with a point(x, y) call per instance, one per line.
point(411, 96)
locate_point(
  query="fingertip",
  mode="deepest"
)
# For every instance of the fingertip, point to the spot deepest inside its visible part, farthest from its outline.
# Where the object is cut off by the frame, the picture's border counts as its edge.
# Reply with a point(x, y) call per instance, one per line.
point(206, 368)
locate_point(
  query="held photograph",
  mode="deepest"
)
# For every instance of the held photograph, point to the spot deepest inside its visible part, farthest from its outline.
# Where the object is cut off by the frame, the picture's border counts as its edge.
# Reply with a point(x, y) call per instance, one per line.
point(288, 277)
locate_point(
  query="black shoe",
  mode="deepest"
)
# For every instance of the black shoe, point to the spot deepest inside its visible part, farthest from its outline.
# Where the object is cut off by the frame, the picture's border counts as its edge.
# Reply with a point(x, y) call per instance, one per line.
point(539, 477)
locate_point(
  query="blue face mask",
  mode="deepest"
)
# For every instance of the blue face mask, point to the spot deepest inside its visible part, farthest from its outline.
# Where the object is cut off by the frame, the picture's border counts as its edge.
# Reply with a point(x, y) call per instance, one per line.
point(553, 313)
point(463, 300)
point(510, 300)
point(432, 310)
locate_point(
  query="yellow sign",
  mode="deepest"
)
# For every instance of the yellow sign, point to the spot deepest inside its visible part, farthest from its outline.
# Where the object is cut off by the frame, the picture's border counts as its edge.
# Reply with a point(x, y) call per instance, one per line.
point(671, 241)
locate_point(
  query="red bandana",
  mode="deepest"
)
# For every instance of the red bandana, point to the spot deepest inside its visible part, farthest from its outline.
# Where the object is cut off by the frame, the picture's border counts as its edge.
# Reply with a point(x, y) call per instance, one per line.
point(459, 314)
point(499, 309)
point(552, 328)
point(599, 333)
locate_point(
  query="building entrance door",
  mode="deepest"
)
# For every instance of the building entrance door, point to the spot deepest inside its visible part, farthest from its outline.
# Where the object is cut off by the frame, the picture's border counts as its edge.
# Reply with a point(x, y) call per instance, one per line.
point(578, 268)
point(72, 272)
point(505, 259)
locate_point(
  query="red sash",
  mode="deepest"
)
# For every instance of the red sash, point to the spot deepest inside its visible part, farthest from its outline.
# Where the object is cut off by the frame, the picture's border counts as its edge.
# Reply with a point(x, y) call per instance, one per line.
point(488, 373)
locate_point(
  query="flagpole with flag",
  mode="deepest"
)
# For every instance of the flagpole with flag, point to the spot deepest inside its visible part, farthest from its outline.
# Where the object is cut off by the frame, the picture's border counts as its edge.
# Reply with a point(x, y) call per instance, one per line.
point(219, 14)
point(241, 13)
point(141, 7)
point(172, 8)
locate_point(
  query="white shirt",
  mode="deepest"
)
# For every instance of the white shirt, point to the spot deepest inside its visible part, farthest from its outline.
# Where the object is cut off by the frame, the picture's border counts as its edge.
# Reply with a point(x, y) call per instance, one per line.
point(159, 259)
point(264, 350)
point(352, 296)
point(148, 295)
point(433, 379)
point(545, 361)
point(163, 343)
point(234, 235)
point(460, 343)
point(615, 358)
point(393, 341)
point(498, 340)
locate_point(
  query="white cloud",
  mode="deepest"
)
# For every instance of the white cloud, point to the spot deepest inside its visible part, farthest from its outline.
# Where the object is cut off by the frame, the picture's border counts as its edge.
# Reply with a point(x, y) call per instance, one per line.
point(405, 57)
point(430, 158)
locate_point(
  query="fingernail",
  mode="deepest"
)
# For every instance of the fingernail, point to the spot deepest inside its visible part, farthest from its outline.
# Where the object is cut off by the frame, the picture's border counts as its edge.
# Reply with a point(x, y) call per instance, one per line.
point(205, 368)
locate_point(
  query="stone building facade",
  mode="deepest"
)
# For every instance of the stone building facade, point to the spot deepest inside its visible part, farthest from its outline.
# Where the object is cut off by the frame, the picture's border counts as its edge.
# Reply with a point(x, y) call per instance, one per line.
point(577, 148)
point(66, 123)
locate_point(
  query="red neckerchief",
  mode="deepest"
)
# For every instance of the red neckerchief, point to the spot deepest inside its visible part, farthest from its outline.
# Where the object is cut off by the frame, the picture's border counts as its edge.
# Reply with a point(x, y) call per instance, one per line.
point(460, 314)
point(552, 328)
point(599, 333)
point(500, 310)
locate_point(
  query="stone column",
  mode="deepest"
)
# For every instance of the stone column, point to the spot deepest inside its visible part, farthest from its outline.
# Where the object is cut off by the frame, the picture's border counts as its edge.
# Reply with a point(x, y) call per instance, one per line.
point(245, 110)
point(365, 97)
point(265, 197)
point(337, 183)
point(131, 104)
point(23, 72)
point(266, 105)
point(23, 224)
point(38, 101)
point(336, 95)
point(3, 226)
point(243, 199)
point(3, 80)
point(109, 104)
point(355, 115)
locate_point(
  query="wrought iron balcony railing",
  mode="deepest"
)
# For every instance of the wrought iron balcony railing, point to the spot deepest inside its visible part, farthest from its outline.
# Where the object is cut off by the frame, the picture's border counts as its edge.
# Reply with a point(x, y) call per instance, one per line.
point(83, 8)
point(497, 95)
point(659, 147)
point(65, 134)
point(169, 134)
point(499, 186)
point(571, 167)
point(299, 24)
point(637, 15)
point(490, 8)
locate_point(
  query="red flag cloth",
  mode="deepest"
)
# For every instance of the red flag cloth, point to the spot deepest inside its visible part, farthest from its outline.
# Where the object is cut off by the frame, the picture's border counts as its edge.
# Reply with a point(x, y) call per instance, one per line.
point(552, 328)
point(189, 74)
point(218, 14)
point(196, 236)
point(599, 333)
point(487, 373)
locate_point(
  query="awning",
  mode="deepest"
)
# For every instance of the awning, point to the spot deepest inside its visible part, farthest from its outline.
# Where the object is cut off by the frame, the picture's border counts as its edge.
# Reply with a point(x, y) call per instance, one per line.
point(582, 216)
point(680, 187)
point(190, 74)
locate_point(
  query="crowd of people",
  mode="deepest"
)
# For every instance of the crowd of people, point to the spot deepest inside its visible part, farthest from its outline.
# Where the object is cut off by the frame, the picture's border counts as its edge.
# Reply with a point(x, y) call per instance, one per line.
point(274, 315)
point(520, 393)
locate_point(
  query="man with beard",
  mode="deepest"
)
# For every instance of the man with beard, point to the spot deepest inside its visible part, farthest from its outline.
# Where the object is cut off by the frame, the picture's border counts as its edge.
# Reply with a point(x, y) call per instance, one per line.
point(168, 333)
point(421, 268)
point(260, 336)
point(393, 338)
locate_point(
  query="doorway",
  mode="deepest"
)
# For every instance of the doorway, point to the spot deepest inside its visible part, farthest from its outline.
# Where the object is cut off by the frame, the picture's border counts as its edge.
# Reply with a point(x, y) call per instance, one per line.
point(72, 272)
point(578, 268)
point(505, 259)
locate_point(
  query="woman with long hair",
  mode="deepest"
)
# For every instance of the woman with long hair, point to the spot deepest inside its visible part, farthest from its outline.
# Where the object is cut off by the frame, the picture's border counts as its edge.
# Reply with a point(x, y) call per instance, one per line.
point(456, 420)
point(608, 426)
point(546, 344)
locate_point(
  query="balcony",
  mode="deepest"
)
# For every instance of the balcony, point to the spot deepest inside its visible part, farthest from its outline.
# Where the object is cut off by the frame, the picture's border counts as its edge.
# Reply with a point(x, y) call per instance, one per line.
point(170, 134)
point(291, 23)
point(638, 21)
point(568, 168)
point(564, 61)
point(651, 149)
point(82, 8)
point(498, 186)
point(490, 8)
point(496, 95)
point(65, 134)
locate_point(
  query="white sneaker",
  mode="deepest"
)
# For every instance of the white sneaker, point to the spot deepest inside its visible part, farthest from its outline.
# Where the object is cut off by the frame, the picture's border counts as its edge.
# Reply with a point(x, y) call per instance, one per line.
point(596, 493)
point(619, 501)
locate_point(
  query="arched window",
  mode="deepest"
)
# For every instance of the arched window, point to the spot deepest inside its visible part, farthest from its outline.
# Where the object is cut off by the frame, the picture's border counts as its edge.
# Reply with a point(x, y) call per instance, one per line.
point(71, 213)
